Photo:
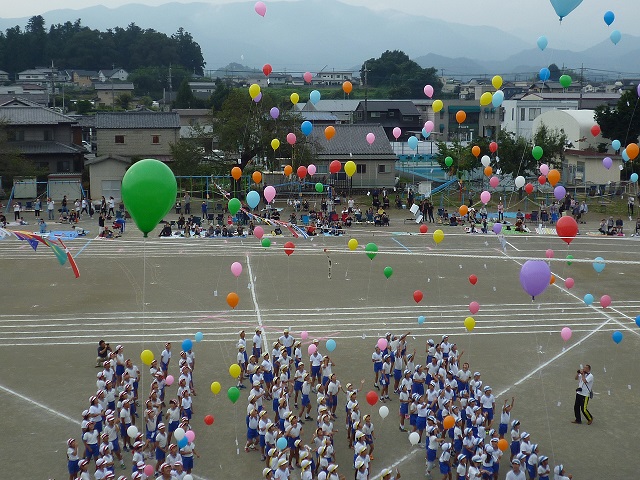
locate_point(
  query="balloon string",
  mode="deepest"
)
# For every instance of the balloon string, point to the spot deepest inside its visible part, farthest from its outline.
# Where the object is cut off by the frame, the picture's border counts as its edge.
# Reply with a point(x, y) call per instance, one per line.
point(144, 307)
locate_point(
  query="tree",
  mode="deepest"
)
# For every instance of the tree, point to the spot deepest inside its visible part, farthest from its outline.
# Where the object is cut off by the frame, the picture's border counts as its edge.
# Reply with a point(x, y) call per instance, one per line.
point(124, 100)
point(185, 97)
point(623, 122)
point(83, 107)
point(404, 77)
point(12, 163)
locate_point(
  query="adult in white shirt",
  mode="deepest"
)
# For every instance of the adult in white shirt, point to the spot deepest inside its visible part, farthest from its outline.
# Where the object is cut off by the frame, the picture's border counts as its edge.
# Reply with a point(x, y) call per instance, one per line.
point(287, 340)
point(515, 473)
point(583, 393)
point(257, 343)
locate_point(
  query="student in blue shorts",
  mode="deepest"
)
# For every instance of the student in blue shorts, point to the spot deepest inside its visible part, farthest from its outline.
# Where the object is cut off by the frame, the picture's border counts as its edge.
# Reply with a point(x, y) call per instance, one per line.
point(72, 458)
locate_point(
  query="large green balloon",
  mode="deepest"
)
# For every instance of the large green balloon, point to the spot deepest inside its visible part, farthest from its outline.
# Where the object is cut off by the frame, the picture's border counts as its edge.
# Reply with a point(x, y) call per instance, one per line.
point(149, 190)
point(266, 243)
point(234, 206)
point(448, 161)
point(372, 250)
point(319, 187)
point(565, 81)
point(537, 152)
point(234, 394)
point(388, 271)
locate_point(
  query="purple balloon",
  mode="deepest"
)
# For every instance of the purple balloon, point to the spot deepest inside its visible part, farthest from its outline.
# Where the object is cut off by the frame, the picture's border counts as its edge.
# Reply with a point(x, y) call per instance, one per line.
point(607, 162)
point(274, 112)
point(535, 276)
point(497, 228)
point(638, 88)
point(258, 97)
point(559, 192)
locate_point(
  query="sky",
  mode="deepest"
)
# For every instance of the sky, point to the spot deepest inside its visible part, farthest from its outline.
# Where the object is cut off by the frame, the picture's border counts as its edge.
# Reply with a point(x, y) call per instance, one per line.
point(526, 18)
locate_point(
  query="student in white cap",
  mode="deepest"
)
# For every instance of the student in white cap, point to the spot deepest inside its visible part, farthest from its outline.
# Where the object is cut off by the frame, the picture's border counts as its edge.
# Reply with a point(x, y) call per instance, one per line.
point(560, 474)
point(488, 403)
point(544, 470)
point(257, 343)
point(241, 360)
point(461, 469)
point(515, 473)
point(444, 462)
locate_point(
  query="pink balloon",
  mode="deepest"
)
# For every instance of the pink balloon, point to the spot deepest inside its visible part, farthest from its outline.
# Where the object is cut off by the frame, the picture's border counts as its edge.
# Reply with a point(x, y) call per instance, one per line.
point(312, 349)
point(270, 192)
point(311, 169)
point(605, 301)
point(261, 9)
point(428, 91)
point(307, 77)
point(428, 126)
point(190, 434)
point(565, 333)
point(258, 232)
point(382, 343)
point(236, 267)
point(291, 138)
point(549, 253)
point(370, 138)
point(148, 470)
point(304, 335)
point(485, 197)
point(494, 182)
point(569, 283)
point(397, 132)
point(474, 307)
point(169, 380)
point(544, 169)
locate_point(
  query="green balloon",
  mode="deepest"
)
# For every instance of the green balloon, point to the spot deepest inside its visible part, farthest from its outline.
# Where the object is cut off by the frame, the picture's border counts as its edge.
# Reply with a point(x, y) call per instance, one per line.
point(372, 250)
point(149, 190)
point(319, 187)
point(448, 161)
point(565, 81)
point(234, 206)
point(388, 271)
point(569, 258)
point(537, 152)
point(266, 243)
point(234, 394)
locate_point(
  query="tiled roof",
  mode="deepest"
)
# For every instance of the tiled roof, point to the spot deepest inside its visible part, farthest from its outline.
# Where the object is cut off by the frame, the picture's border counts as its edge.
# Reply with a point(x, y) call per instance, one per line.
point(351, 140)
point(41, 148)
point(32, 115)
point(137, 119)
point(113, 86)
point(318, 116)
point(406, 107)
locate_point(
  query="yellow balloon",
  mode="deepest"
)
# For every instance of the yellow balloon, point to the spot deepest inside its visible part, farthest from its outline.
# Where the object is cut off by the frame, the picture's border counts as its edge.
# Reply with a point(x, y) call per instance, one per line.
point(486, 98)
point(234, 370)
point(437, 105)
point(215, 388)
point(147, 357)
point(353, 244)
point(254, 90)
point(496, 81)
point(295, 98)
point(350, 168)
point(275, 143)
point(438, 236)
point(469, 323)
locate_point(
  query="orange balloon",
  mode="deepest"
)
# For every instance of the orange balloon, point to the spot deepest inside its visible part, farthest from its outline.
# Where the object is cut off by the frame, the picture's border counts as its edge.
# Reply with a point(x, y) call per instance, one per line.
point(488, 171)
point(448, 422)
point(475, 150)
point(329, 132)
point(288, 170)
point(552, 280)
point(503, 444)
point(233, 299)
point(236, 173)
point(347, 87)
point(463, 210)
point(632, 150)
point(553, 176)
point(257, 176)
point(461, 116)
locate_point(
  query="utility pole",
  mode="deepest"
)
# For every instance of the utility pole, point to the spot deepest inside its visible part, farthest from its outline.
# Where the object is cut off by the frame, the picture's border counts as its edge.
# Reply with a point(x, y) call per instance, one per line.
point(581, 86)
point(366, 92)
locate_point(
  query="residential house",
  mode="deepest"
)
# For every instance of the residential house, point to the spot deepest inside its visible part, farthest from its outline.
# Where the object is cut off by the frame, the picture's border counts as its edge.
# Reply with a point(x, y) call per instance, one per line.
point(106, 174)
point(193, 120)
point(332, 77)
point(108, 92)
point(116, 74)
point(341, 111)
point(521, 111)
point(474, 88)
point(84, 78)
point(390, 114)
point(4, 76)
point(42, 76)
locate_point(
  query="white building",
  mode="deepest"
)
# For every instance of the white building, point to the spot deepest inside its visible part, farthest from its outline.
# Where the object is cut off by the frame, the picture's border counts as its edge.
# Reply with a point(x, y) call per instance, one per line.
point(520, 114)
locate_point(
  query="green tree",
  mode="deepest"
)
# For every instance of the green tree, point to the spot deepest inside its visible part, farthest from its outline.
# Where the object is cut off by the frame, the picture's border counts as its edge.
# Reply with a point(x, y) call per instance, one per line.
point(12, 163)
point(83, 107)
point(124, 100)
point(185, 97)
point(622, 122)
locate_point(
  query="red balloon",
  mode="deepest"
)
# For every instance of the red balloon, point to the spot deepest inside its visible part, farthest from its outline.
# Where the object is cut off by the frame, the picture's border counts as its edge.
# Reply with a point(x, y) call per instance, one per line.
point(208, 419)
point(567, 229)
point(288, 248)
point(335, 166)
point(542, 179)
point(473, 279)
point(595, 130)
point(417, 296)
point(372, 398)
point(493, 147)
point(424, 228)
point(302, 172)
point(528, 188)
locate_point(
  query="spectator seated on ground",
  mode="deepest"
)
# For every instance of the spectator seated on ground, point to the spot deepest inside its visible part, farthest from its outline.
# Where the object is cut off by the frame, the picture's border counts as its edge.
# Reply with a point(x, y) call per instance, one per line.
point(293, 219)
point(23, 221)
point(348, 221)
point(619, 226)
point(520, 227)
point(3, 221)
point(603, 226)
point(637, 232)
point(311, 231)
point(453, 221)
point(180, 223)
point(217, 231)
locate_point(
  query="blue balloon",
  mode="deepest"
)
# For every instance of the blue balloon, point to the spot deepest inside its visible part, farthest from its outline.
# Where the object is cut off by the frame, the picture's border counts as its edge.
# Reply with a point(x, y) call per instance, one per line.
point(609, 17)
point(187, 344)
point(497, 98)
point(598, 264)
point(542, 42)
point(253, 198)
point(314, 96)
point(183, 442)
point(421, 319)
point(306, 127)
point(634, 178)
point(615, 36)
point(588, 299)
point(425, 134)
point(638, 320)
point(199, 336)
point(625, 155)
point(412, 142)
point(544, 74)
point(616, 144)
point(616, 336)
point(331, 345)
point(281, 443)
point(564, 7)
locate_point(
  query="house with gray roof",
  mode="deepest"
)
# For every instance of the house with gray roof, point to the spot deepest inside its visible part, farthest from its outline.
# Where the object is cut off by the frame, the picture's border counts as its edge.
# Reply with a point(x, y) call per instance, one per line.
point(4, 76)
point(389, 114)
point(343, 110)
point(84, 78)
point(117, 74)
point(108, 92)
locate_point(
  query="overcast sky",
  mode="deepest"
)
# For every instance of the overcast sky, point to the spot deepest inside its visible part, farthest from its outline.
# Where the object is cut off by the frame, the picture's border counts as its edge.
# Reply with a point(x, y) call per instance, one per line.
point(528, 18)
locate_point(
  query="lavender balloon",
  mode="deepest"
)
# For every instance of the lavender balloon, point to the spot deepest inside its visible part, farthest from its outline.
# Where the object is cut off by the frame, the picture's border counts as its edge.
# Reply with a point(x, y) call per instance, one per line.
point(497, 228)
point(258, 97)
point(607, 162)
point(274, 112)
point(559, 192)
point(534, 277)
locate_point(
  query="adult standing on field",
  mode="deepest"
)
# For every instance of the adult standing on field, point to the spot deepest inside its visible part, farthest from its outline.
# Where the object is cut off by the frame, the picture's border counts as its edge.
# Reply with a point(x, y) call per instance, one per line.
point(583, 393)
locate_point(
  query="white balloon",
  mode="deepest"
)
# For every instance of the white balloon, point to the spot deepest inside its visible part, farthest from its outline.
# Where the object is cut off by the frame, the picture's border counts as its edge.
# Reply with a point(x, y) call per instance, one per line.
point(414, 438)
point(132, 431)
point(520, 181)
point(485, 160)
point(384, 411)
point(179, 433)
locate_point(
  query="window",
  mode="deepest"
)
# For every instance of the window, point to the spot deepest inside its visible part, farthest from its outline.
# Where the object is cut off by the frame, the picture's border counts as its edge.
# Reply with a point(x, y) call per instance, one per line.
point(155, 139)
point(533, 113)
point(322, 169)
point(522, 114)
point(119, 139)
point(361, 168)
point(47, 135)
point(359, 115)
point(382, 168)
point(375, 114)
point(391, 113)
point(63, 166)
point(15, 136)
point(407, 119)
